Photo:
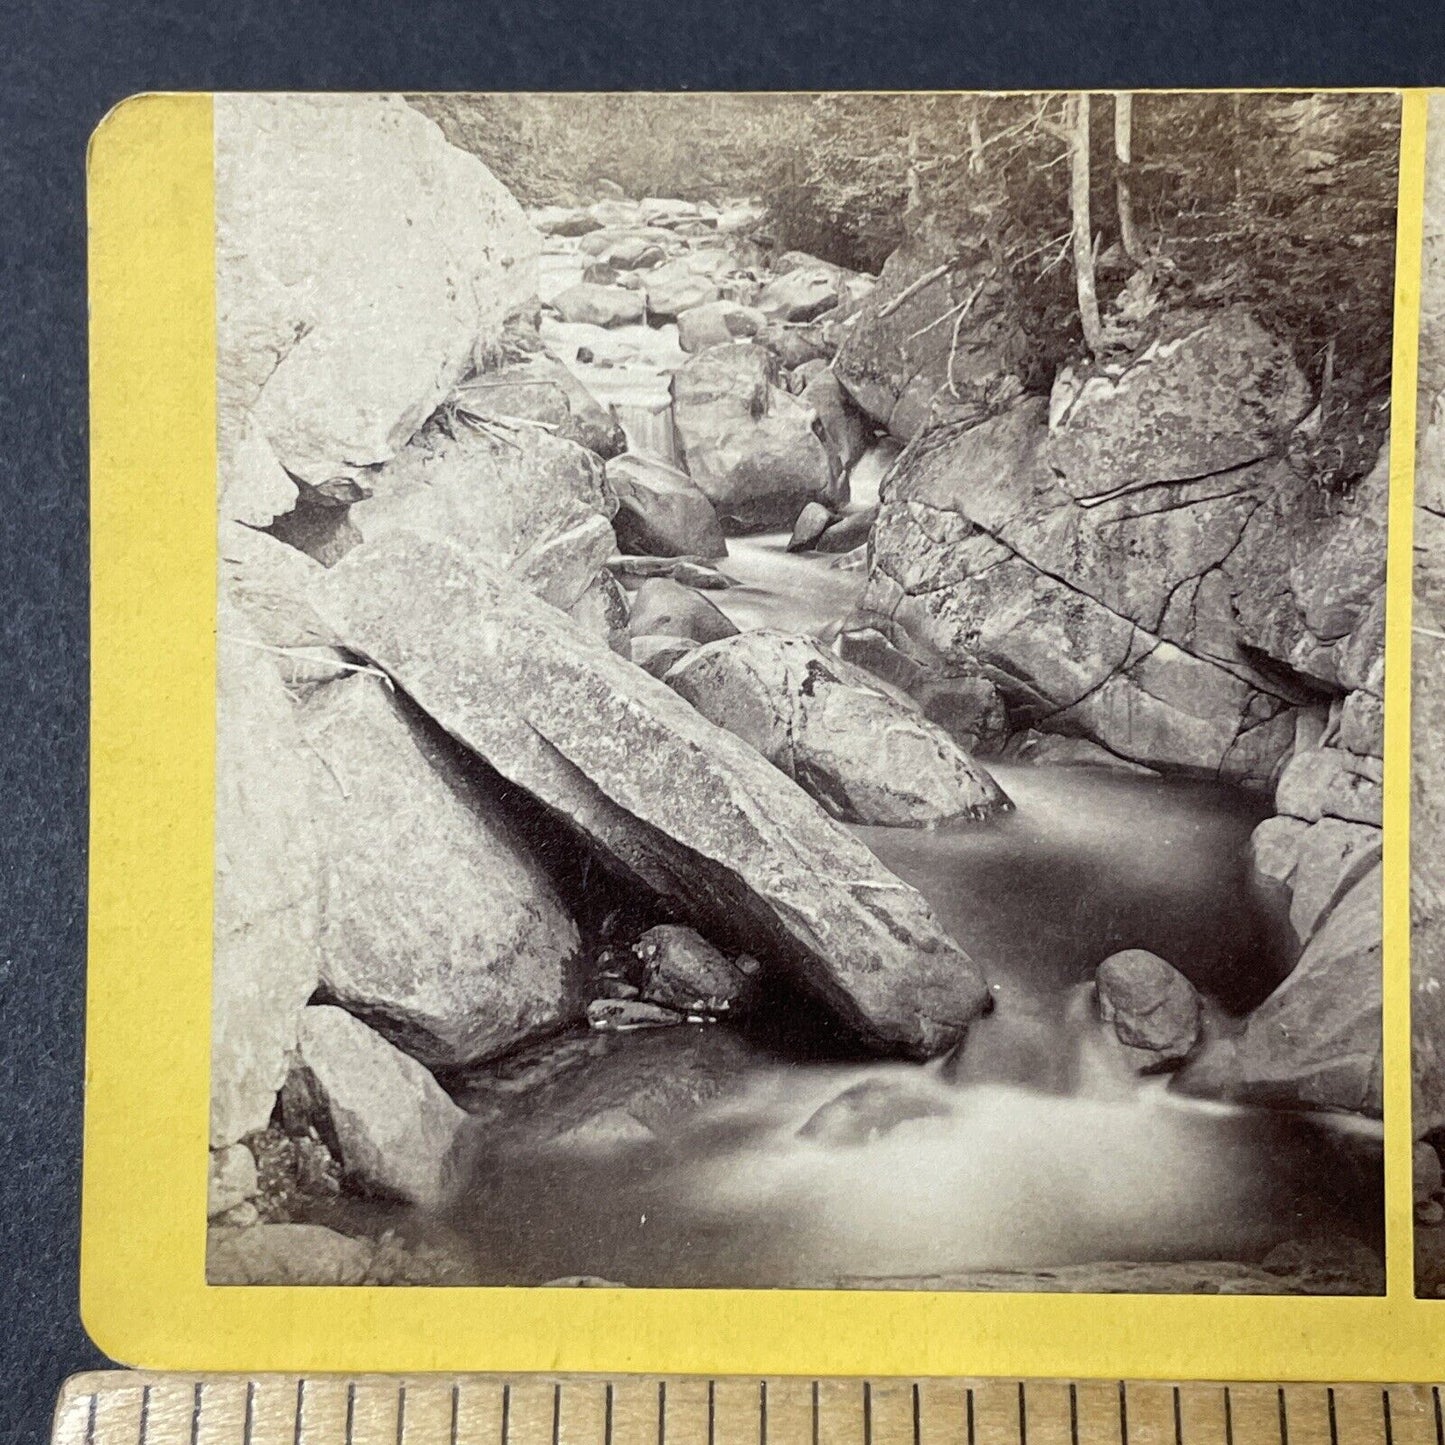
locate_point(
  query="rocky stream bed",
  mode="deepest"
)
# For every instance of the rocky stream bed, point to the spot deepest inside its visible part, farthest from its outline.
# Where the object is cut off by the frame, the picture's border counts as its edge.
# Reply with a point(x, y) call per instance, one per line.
point(720, 785)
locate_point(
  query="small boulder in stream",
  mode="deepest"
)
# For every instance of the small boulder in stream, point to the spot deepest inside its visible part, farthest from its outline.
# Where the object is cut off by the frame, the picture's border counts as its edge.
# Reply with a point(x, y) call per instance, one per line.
point(675, 287)
point(848, 532)
point(661, 795)
point(664, 607)
point(661, 513)
point(619, 1015)
point(1153, 1007)
point(593, 305)
point(682, 970)
point(716, 323)
point(862, 749)
point(813, 521)
point(801, 294)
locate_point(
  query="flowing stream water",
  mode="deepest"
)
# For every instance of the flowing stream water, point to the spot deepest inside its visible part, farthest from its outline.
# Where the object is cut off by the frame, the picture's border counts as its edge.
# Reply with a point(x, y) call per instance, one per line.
point(699, 1156)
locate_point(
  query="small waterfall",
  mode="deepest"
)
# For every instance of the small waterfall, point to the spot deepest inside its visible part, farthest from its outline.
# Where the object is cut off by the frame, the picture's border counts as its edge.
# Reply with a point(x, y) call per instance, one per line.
point(649, 430)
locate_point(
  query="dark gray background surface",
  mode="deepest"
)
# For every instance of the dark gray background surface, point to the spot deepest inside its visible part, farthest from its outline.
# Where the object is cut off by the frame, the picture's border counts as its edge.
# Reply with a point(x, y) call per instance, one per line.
point(63, 65)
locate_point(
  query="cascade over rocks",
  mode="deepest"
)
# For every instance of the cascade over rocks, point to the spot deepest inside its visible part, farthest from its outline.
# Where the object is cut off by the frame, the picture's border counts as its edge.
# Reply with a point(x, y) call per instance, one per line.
point(748, 444)
point(727, 842)
point(337, 341)
point(862, 749)
point(439, 928)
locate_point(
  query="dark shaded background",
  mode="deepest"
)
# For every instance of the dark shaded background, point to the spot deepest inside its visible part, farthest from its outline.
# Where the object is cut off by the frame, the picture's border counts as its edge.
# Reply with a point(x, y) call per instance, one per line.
point(63, 65)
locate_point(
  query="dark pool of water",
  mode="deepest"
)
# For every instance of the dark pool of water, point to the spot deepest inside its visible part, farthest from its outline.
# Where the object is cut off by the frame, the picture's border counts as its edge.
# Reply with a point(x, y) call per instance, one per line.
point(676, 1158)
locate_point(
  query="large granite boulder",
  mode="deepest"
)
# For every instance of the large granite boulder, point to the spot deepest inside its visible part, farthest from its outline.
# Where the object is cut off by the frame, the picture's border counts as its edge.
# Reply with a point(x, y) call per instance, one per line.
point(937, 340)
point(360, 261)
point(1211, 392)
point(439, 928)
point(268, 883)
point(667, 799)
point(380, 1112)
point(539, 388)
point(662, 512)
point(862, 749)
point(1115, 621)
point(756, 451)
point(534, 503)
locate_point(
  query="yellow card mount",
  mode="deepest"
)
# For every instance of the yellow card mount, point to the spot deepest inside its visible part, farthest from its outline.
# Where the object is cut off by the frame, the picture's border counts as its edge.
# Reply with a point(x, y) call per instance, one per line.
point(124, 1408)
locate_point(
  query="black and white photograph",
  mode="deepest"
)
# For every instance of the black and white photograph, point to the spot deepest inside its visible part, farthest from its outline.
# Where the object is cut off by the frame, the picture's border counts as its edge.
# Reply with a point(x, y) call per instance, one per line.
point(801, 691)
point(1427, 774)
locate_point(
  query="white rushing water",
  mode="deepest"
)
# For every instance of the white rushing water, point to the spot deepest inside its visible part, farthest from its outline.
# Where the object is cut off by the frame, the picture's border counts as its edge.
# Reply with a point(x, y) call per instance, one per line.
point(1038, 1145)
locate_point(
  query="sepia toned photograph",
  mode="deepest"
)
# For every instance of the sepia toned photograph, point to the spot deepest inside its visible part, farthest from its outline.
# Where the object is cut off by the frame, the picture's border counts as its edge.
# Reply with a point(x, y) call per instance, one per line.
point(800, 692)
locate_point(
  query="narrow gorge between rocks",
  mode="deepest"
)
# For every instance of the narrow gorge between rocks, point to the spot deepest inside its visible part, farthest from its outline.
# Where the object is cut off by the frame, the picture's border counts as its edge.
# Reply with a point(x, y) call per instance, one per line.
point(740, 768)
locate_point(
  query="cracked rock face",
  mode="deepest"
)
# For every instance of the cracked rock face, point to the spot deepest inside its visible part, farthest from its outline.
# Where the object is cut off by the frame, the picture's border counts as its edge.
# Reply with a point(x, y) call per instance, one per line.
point(1115, 622)
point(1178, 621)
point(669, 799)
point(1211, 393)
point(863, 750)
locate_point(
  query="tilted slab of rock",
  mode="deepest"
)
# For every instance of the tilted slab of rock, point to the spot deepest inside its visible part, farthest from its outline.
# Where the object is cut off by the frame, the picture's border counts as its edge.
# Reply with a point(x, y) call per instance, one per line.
point(671, 800)
point(380, 1112)
point(360, 258)
point(750, 446)
point(861, 749)
point(268, 883)
point(536, 504)
point(1316, 1041)
point(1212, 392)
point(439, 927)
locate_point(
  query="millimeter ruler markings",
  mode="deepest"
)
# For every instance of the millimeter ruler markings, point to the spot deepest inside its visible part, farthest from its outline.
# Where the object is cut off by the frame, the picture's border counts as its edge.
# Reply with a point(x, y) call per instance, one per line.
point(132, 1408)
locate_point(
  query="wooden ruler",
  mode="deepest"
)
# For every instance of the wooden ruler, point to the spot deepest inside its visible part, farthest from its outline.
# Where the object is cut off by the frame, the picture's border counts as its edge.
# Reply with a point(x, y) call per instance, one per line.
point(124, 1408)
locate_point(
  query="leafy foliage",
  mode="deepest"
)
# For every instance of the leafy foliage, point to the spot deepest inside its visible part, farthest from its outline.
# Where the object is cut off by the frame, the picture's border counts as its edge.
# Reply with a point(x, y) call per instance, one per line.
point(1283, 201)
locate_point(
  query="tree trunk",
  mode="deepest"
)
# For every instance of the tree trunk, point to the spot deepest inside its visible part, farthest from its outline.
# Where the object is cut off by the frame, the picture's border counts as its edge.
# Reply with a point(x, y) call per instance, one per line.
point(1083, 229)
point(1123, 159)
